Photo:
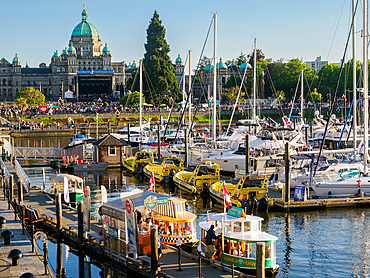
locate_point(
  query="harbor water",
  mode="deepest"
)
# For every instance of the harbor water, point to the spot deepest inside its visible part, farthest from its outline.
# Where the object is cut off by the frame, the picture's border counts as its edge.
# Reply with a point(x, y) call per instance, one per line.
point(328, 243)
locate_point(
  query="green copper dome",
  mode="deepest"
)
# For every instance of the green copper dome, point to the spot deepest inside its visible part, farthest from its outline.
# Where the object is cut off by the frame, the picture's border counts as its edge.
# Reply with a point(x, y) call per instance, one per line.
point(84, 27)
point(71, 48)
point(245, 65)
point(16, 58)
point(178, 60)
point(208, 66)
point(106, 48)
point(221, 65)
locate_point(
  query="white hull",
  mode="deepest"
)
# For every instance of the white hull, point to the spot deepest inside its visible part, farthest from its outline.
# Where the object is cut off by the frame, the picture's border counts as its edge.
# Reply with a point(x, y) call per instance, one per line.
point(343, 187)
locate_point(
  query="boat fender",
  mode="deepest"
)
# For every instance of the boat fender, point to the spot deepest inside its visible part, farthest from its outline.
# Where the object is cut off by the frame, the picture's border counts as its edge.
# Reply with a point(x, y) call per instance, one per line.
point(359, 183)
point(253, 205)
point(244, 203)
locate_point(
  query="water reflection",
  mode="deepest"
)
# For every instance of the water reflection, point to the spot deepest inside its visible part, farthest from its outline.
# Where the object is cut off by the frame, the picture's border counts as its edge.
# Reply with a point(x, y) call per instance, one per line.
point(331, 243)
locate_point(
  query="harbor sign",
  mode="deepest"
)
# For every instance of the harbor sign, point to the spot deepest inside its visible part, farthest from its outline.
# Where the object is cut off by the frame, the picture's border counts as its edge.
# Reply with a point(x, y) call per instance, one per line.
point(152, 201)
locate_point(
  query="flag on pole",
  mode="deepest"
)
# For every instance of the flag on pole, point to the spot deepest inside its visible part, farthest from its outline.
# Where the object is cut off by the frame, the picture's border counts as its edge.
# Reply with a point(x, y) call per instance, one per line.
point(227, 196)
point(69, 120)
point(151, 183)
point(207, 216)
point(66, 190)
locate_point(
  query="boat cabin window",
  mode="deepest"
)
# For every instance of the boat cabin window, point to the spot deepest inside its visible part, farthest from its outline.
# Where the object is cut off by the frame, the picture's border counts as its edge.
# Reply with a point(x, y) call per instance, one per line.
point(270, 250)
point(179, 207)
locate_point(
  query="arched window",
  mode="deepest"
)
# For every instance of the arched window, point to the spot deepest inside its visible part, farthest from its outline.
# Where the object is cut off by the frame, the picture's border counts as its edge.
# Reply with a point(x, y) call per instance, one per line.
point(4, 82)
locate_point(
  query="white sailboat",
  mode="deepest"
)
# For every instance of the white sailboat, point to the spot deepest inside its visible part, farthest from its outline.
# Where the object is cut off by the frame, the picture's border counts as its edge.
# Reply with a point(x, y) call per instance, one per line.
point(360, 185)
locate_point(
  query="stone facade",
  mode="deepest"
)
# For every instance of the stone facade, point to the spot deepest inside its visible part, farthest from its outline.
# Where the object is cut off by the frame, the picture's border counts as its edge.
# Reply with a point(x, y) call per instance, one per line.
point(84, 58)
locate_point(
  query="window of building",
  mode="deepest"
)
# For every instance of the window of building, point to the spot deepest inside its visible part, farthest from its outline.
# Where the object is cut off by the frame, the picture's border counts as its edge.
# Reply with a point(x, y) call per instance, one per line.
point(111, 151)
point(63, 69)
point(58, 69)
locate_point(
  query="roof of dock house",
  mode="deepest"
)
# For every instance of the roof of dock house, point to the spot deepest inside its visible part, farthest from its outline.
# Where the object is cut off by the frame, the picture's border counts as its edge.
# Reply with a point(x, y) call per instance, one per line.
point(110, 140)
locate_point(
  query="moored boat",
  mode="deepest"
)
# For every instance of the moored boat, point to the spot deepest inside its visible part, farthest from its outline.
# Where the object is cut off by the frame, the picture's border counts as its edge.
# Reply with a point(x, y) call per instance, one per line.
point(240, 237)
point(136, 163)
point(164, 171)
point(246, 193)
point(199, 180)
point(75, 186)
point(87, 166)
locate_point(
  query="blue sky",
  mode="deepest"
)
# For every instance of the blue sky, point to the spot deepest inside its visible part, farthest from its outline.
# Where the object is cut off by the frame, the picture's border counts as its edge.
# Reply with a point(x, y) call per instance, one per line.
point(284, 29)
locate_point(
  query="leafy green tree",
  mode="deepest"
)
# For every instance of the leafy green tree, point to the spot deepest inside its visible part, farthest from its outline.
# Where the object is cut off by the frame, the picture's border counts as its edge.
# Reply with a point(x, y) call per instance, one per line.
point(315, 96)
point(260, 56)
point(229, 94)
point(31, 95)
point(22, 104)
point(280, 95)
point(240, 59)
point(131, 99)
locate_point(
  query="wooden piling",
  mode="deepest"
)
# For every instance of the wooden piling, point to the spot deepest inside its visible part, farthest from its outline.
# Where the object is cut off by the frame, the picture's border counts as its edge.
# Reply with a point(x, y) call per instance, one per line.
point(247, 154)
point(159, 142)
point(154, 250)
point(260, 260)
point(287, 174)
point(80, 236)
point(11, 188)
point(58, 210)
point(20, 192)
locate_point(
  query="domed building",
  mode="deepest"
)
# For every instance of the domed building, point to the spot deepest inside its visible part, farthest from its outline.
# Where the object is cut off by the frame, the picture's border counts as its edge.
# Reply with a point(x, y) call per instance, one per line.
point(83, 68)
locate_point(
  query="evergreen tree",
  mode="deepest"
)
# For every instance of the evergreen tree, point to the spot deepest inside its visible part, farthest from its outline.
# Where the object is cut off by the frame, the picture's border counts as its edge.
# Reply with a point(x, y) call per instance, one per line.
point(159, 77)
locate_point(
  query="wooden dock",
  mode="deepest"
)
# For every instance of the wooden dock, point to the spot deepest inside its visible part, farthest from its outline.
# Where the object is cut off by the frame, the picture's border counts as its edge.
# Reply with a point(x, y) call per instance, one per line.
point(322, 204)
point(31, 262)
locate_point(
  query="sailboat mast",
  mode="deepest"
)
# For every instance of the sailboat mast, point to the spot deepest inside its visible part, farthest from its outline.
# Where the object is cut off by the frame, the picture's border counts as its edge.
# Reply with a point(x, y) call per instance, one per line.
point(189, 90)
point(302, 119)
point(354, 130)
point(366, 85)
point(254, 79)
point(183, 93)
point(141, 92)
point(214, 81)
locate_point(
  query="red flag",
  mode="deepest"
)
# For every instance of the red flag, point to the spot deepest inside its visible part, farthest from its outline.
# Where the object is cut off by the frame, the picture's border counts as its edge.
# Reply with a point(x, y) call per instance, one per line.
point(227, 196)
point(207, 216)
point(151, 183)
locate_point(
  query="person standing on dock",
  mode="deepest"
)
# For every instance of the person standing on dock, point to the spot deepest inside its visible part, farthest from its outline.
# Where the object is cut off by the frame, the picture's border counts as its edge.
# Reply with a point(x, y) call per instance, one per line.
point(210, 247)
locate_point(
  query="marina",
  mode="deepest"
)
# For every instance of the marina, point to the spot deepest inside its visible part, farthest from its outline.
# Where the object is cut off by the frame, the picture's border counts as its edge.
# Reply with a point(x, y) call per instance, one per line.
point(247, 166)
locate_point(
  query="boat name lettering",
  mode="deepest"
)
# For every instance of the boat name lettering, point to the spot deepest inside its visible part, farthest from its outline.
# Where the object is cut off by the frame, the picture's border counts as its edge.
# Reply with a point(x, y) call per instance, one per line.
point(235, 212)
point(162, 201)
point(238, 261)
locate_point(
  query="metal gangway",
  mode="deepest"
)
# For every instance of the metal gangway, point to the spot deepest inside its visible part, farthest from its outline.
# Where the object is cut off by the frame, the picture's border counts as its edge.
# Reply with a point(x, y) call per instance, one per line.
point(38, 153)
point(17, 170)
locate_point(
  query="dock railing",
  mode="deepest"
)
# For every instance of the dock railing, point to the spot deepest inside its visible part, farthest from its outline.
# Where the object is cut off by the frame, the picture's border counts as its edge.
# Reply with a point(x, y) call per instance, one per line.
point(22, 176)
point(6, 172)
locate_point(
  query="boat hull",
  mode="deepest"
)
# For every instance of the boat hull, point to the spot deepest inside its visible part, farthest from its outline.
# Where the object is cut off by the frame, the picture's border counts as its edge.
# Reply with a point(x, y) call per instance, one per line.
point(343, 187)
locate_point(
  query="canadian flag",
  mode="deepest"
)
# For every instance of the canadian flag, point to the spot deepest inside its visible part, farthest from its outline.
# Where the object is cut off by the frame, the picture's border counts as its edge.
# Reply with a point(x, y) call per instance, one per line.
point(227, 196)
point(69, 120)
point(289, 122)
point(151, 183)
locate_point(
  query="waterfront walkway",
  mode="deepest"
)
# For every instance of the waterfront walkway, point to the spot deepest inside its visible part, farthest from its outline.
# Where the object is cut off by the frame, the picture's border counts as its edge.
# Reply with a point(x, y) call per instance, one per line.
point(31, 262)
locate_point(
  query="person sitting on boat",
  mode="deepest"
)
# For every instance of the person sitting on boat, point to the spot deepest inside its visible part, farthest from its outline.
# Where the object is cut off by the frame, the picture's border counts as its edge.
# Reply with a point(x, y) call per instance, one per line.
point(210, 237)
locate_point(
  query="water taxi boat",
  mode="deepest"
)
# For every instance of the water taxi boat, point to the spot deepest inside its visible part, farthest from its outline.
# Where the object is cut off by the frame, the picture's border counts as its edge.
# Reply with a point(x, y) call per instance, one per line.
point(136, 163)
point(246, 193)
point(167, 212)
point(199, 180)
point(238, 245)
point(75, 186)
point(166, 170)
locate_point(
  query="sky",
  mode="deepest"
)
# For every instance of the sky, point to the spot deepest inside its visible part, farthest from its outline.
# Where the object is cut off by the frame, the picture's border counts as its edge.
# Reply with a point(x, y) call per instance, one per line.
point(284, 29)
